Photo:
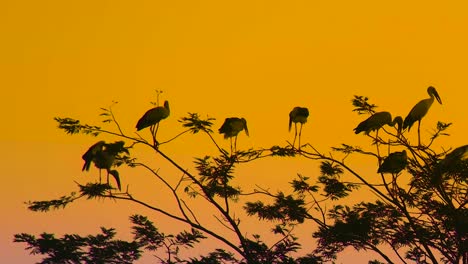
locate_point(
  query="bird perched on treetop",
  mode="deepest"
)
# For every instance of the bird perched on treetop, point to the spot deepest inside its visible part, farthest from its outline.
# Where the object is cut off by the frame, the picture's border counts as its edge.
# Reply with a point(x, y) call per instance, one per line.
point(103, 156)
point(231, 128)
point(394, 163)
point(420, 110)
point(454, 158)
point(377, 121)
point(153, 116)
point(298, 115)
point(454, 162)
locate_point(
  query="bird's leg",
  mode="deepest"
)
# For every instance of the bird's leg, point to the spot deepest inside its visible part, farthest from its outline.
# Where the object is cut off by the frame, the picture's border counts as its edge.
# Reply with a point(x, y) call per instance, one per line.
point(377, 144)
point(295, 134)
point(156, 131)
point(108, 184)
point(152, 134)
point(235, 144)
point(300, 133)
point(230, 139)
point(419, 133)
point(99, 175)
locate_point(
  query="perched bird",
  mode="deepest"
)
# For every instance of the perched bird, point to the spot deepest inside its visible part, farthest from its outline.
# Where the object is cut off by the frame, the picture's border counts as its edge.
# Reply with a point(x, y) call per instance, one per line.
point(458, 154)
point(298, 115)
point(231, 128)
point(377, 121)
point(394, 163)
point(454, 162)
point(103, 156)
point(153, 116)
point(420, 110)
point(454, 159)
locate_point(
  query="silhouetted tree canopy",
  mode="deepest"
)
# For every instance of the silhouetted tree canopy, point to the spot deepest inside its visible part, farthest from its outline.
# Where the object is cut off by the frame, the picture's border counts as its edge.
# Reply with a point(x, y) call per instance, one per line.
point(416, 210)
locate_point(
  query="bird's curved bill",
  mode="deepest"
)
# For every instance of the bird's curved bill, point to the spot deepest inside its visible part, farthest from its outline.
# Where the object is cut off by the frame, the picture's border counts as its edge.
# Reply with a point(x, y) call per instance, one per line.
point(437, 97)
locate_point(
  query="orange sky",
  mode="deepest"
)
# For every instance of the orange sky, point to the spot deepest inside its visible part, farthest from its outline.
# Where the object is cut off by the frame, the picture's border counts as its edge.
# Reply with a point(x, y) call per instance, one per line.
point(255, 59)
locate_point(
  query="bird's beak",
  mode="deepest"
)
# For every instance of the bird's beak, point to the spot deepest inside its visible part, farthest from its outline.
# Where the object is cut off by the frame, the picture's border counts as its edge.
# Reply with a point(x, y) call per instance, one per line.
point(437, 97)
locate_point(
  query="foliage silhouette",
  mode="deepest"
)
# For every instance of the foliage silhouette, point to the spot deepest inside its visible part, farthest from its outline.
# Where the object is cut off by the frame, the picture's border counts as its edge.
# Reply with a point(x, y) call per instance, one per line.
point(416, 208)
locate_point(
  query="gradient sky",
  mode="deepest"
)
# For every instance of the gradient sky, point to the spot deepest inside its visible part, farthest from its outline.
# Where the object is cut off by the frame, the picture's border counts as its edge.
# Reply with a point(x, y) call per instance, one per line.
point(256, 59)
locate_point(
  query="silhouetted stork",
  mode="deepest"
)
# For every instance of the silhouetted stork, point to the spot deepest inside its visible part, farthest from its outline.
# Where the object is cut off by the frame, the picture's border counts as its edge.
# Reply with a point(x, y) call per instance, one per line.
point(458, 154)
point(231, 128)
point(103, 156)
point(454, 159)
point(153, 117)
point(377, 121)
point(454, 162)
point(394, 163)
point(298, 115)
point(420, 110)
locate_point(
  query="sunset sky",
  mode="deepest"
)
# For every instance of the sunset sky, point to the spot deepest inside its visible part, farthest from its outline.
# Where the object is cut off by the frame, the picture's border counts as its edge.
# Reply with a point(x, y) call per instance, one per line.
point(252, 59)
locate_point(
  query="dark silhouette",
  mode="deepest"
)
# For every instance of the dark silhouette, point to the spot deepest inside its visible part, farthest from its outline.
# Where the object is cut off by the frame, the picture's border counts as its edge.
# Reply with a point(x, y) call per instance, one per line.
point(298, 115)
point(420, 110)
point(377, 121)
point(394, 163)
point(416, 208)
point(103, 156)
point(231, 128)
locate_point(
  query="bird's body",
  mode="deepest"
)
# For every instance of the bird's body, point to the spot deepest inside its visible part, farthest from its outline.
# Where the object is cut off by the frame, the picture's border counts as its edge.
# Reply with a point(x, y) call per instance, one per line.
point(153, 116)
point(421, 108)
point(454, 158)
point(231, 128)
point(394, 163)
point(103, 156)
point(377, 121)
point(454, 162)
point(460, 153)
point(298, 115)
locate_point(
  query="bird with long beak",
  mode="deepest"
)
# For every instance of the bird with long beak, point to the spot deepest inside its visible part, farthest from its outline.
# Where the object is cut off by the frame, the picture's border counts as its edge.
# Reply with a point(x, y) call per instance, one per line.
point(103, 156)
point(420, 110)
point(298, 115)
point(377, 121)
point(152, 117)
point(231, 128)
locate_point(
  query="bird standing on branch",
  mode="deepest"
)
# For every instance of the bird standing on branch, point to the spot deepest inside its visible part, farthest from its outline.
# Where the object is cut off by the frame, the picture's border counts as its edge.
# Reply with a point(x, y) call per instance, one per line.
point(420, 110)
point(231, 128)
point(377, 121)
point(394, 163)
point(298, 115)
point(152, 117)
point(103, 156)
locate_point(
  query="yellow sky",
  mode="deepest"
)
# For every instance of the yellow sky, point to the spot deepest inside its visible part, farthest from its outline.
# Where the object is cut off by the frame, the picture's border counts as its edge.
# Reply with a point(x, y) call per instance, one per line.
point(255, 59)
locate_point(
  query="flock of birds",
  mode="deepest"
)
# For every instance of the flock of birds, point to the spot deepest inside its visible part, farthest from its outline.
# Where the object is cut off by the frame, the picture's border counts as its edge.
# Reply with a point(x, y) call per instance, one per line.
point(103, 154)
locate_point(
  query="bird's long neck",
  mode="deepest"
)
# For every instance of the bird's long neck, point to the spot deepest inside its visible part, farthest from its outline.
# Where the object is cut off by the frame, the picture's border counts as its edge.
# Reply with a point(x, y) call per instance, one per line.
point(431, 99)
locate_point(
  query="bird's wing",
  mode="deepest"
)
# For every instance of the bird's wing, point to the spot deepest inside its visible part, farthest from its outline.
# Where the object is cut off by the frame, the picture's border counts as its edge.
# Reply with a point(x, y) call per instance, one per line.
point(90, 154)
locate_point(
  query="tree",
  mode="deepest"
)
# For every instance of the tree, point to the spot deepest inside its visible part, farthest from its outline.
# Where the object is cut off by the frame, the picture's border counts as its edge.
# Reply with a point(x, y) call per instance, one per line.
point(418, 205)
